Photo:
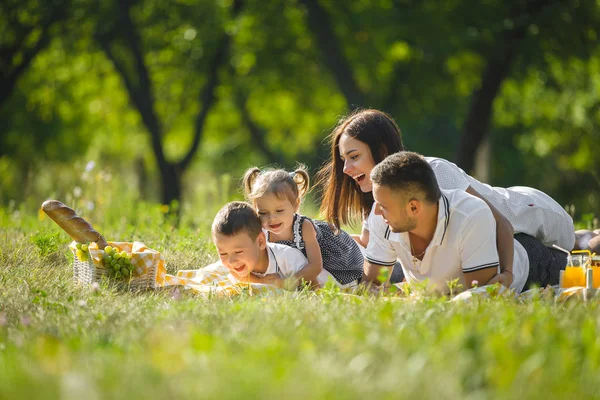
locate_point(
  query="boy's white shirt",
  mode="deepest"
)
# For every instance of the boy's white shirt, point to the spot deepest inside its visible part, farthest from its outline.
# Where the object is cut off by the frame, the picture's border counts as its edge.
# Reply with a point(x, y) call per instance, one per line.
point(286, 261)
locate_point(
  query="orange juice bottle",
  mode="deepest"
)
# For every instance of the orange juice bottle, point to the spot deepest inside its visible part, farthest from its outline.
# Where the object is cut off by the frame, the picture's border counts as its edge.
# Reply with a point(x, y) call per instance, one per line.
point(573, 276)
point(595, 265)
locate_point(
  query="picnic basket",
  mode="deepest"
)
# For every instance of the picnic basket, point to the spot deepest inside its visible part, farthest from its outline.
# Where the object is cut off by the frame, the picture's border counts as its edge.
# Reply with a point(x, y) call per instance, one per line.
point(148, 266)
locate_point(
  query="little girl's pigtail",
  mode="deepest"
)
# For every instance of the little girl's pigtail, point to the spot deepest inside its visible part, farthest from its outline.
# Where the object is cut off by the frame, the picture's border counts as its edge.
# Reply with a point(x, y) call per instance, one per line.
point(249, 179)
point(302, 179)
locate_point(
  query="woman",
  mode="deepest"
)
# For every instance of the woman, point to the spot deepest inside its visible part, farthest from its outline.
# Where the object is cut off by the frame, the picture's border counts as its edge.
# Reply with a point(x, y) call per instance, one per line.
point(366, 137)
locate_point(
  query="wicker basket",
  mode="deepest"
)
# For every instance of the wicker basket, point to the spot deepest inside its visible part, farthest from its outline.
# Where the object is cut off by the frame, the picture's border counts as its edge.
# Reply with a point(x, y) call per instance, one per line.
point(90, 271)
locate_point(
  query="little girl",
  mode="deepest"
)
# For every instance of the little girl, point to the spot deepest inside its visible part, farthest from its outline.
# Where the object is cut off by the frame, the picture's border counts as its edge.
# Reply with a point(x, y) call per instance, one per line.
point(276, 196)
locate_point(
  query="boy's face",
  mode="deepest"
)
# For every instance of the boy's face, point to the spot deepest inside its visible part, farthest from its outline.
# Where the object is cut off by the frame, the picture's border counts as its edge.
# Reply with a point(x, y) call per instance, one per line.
point(240, 253)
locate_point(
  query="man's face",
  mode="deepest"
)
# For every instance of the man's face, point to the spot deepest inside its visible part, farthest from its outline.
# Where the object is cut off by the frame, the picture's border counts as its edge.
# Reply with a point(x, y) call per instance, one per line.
point(394, 209)
point(240, 253)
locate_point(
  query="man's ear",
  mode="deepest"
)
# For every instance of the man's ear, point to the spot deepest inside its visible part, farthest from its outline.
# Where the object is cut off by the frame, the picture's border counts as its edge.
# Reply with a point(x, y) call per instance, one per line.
point(261, 240)
point(414, 206)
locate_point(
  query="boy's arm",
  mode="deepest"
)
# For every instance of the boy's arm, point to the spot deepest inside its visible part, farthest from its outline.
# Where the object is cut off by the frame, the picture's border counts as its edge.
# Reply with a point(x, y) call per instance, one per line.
point(313, 253)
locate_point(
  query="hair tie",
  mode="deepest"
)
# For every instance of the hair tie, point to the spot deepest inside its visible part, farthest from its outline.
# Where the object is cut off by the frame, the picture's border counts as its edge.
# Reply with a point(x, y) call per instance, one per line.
point(292, 174)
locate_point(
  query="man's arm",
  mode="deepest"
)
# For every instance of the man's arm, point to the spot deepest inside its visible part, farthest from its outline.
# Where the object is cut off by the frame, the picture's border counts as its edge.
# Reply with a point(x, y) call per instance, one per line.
point(371, 272)
point(450, 176)
point(477, 245)
point(481, 277)
point(504, 243)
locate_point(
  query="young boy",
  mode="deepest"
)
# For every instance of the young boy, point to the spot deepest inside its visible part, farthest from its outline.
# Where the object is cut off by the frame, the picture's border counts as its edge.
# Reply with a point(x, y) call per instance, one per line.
point(244, 250)
point(245, 256)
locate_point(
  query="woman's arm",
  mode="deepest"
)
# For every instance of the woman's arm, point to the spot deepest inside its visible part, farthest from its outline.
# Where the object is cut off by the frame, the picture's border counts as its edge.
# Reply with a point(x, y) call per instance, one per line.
point(313, 252)
point(363, 238)
point(504, 243)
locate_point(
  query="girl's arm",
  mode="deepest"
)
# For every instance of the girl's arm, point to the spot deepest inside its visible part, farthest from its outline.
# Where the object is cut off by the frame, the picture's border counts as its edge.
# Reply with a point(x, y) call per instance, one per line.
point(313, 253)
point(270, 279)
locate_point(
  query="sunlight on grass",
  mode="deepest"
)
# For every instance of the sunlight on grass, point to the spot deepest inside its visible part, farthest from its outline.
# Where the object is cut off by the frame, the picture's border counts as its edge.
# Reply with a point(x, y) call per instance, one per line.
point(58, 340)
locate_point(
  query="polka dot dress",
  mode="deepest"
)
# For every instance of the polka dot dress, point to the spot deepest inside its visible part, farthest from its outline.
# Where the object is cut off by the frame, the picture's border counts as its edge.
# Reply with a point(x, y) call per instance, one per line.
point(341, 256)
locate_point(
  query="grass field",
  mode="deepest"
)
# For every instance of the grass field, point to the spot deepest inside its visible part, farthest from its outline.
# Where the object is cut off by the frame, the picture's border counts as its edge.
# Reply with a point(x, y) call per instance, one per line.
point(62, 341)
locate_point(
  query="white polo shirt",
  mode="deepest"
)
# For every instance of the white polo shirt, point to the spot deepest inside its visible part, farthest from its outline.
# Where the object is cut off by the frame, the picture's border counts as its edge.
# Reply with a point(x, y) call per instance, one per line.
point(464, 241)
point(284, 261)
point(287, 261)
point(529, 210)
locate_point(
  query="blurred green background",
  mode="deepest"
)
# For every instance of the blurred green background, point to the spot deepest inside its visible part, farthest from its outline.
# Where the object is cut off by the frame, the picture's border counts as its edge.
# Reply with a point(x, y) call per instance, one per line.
point(141, 103)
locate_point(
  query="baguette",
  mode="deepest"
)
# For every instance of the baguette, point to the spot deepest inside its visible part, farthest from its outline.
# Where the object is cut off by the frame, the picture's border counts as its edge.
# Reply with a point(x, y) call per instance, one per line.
point(78, 228)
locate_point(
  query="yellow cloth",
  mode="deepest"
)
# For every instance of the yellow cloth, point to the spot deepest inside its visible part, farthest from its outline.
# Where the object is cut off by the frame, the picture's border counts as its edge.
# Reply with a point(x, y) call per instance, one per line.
point(215, 279)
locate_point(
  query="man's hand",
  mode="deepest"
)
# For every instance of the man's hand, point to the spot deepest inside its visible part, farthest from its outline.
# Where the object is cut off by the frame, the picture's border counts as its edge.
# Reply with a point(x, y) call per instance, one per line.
point(505, 278)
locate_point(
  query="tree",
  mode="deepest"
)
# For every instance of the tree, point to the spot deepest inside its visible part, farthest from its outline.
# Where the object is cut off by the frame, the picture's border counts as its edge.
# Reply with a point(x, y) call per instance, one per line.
point(123, 45)
point(26, 32)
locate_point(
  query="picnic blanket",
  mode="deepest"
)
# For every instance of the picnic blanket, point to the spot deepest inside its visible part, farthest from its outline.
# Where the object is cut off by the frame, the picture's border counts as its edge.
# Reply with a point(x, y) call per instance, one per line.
point(215, 280)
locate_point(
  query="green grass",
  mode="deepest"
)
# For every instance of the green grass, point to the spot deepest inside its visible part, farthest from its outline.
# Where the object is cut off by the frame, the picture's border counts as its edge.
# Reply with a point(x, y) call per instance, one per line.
point(58, 340)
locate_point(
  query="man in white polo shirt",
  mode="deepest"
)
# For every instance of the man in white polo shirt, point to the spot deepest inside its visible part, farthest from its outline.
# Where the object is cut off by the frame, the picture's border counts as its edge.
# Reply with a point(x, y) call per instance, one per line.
point(437, 235)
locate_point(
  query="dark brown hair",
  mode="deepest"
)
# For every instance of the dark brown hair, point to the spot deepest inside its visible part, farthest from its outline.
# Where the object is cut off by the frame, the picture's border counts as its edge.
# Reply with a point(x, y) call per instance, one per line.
point(342, 200)
point(236, 217)
point(285, 185)
point(408, 173)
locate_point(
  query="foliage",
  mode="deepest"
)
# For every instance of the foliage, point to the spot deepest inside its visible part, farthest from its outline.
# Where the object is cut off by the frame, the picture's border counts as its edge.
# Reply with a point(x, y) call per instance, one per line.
point(277, 95)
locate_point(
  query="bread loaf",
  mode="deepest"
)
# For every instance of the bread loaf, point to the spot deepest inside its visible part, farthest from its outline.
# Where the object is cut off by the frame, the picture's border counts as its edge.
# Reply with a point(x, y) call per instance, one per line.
point(79, 229)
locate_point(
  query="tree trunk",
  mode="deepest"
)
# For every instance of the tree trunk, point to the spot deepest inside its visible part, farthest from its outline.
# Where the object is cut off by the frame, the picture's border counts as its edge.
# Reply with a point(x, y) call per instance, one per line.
point(480, 113)
point(501, 58)
point(171, 185)
point(332, 53)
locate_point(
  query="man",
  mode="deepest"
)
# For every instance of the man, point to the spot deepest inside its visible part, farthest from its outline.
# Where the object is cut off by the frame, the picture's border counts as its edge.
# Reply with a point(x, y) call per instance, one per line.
point(437, 235)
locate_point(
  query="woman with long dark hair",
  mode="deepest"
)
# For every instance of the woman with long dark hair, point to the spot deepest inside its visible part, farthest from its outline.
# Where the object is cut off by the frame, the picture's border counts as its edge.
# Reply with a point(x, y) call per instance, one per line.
point(365, 137)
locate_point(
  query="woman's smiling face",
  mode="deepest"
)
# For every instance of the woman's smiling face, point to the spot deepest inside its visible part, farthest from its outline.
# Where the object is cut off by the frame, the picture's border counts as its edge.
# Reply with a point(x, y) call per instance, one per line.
point(358, 161)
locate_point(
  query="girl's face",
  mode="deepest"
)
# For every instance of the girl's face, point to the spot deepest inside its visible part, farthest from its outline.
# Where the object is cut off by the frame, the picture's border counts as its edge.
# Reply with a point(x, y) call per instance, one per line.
point(358, 161)
point(276, 215)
